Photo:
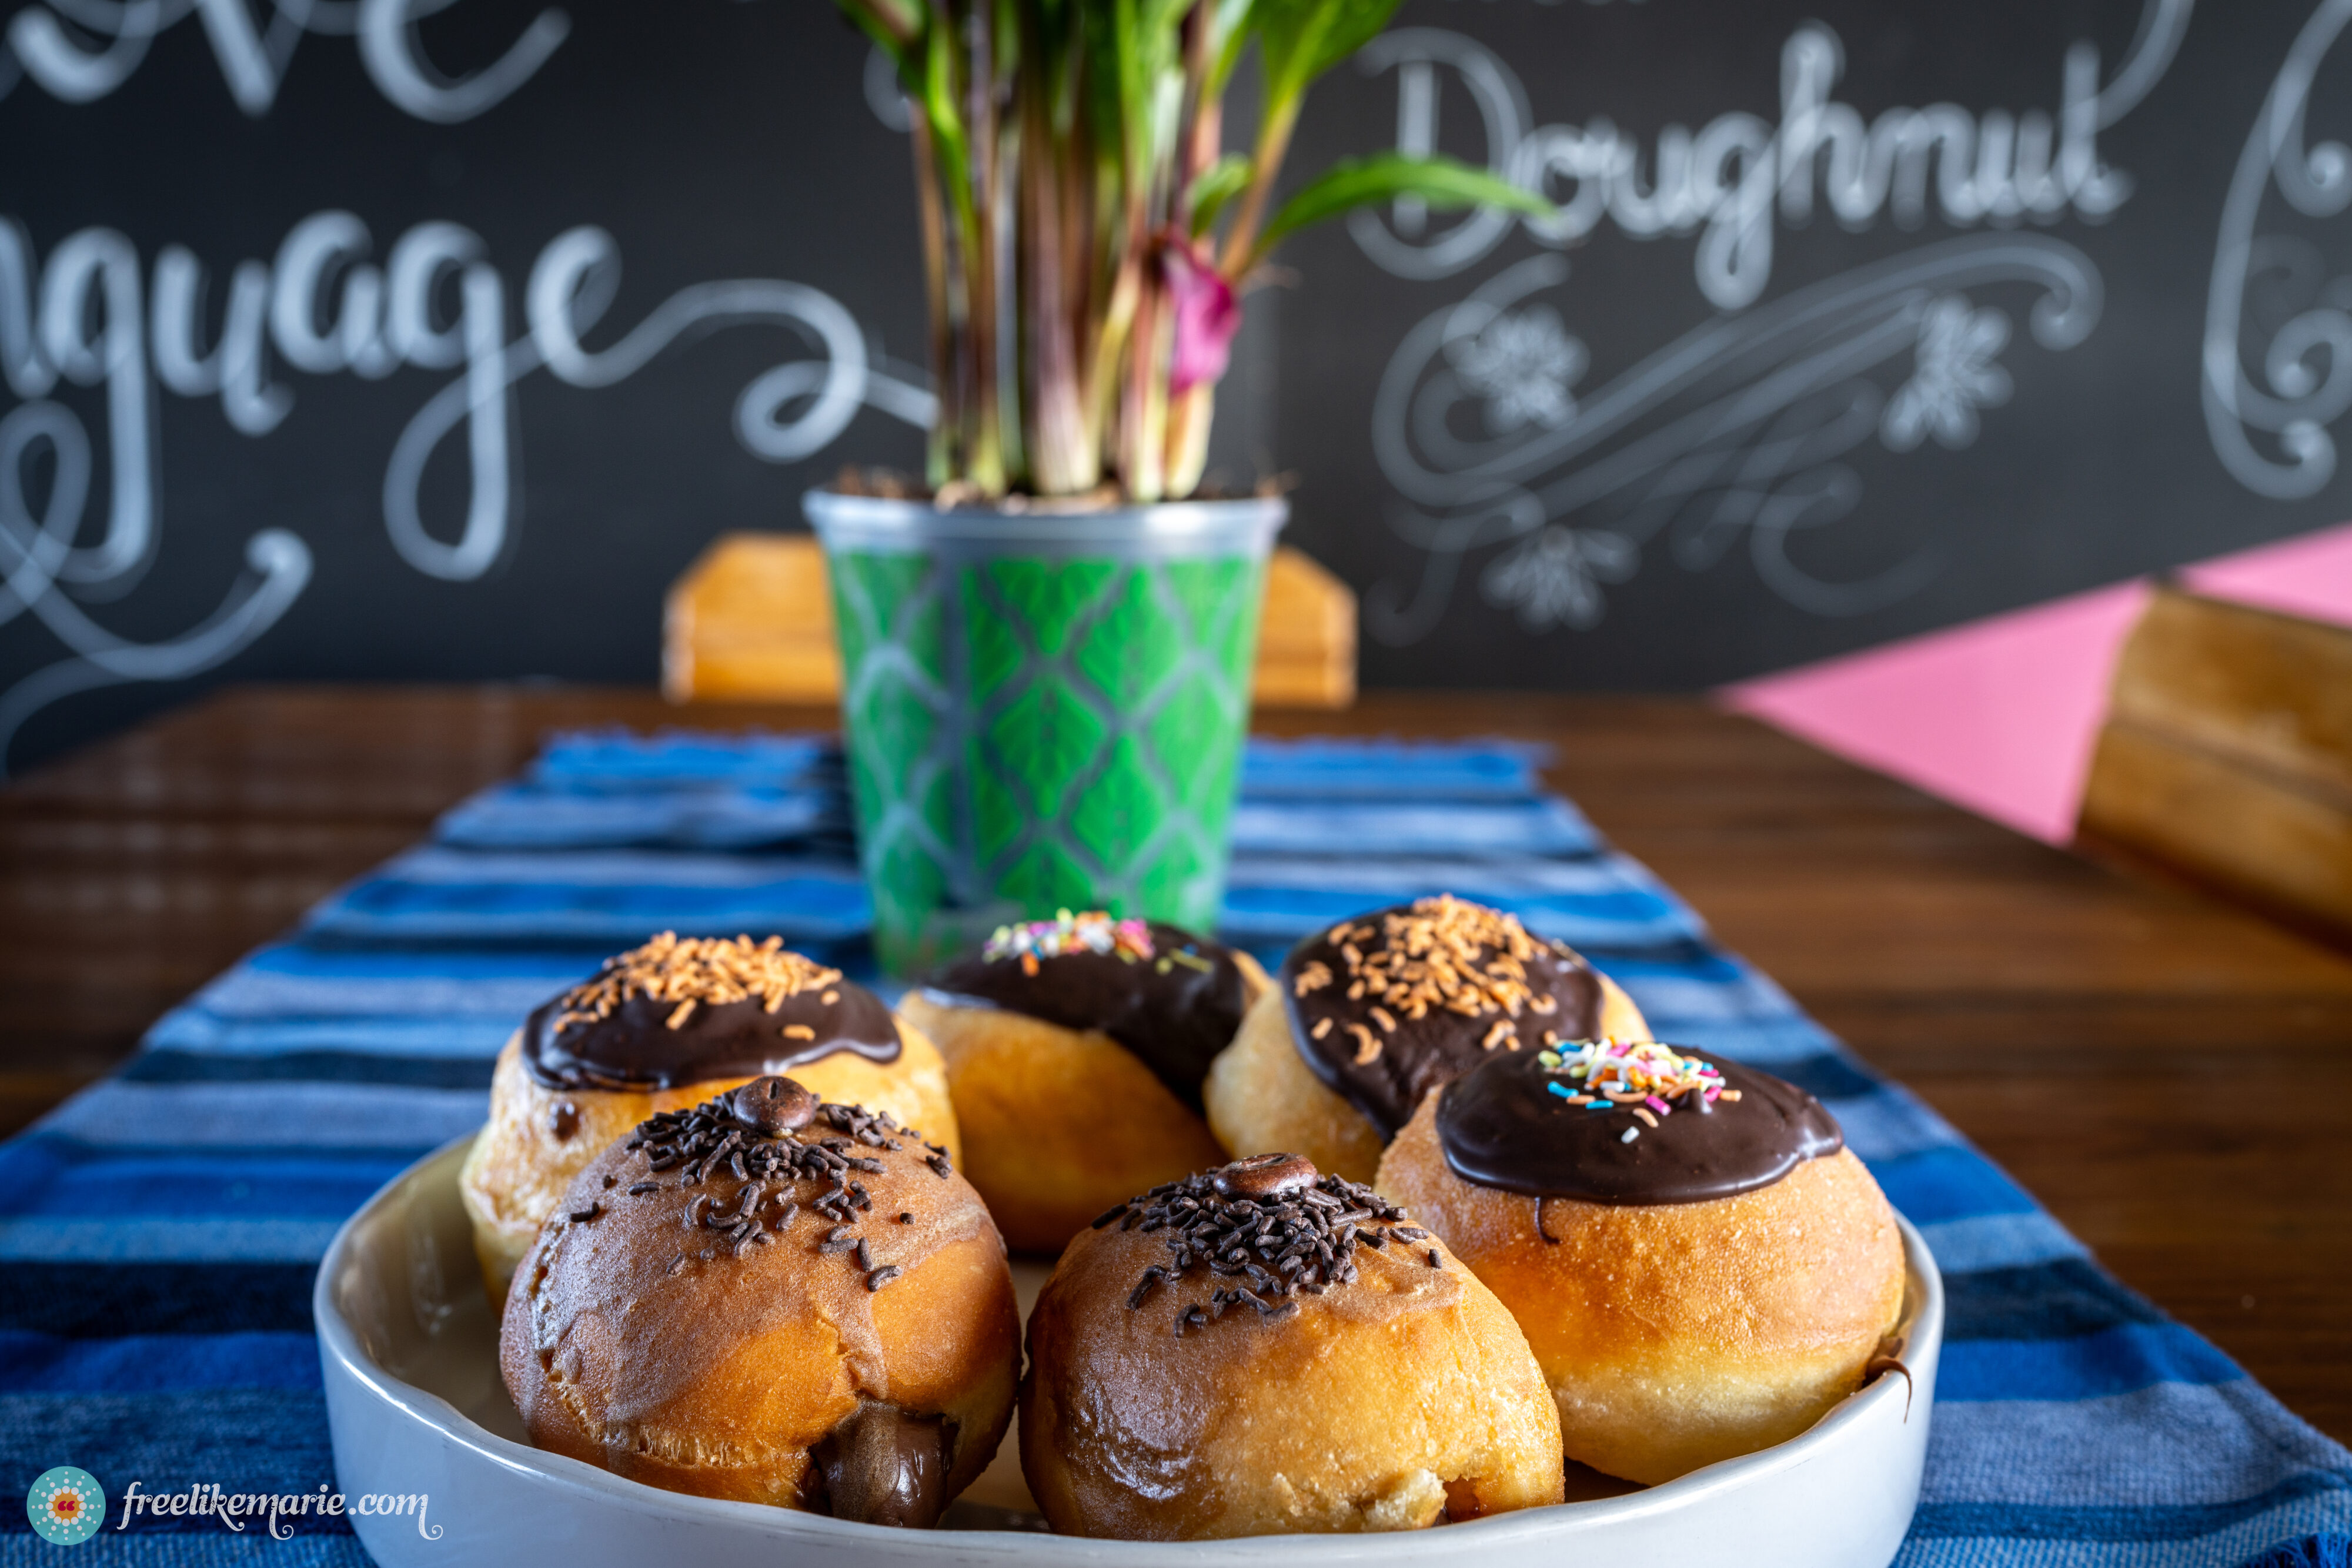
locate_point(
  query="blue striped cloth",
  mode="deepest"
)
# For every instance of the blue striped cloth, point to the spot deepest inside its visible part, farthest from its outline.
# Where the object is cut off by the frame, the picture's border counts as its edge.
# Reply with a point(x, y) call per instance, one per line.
point(158, 1232)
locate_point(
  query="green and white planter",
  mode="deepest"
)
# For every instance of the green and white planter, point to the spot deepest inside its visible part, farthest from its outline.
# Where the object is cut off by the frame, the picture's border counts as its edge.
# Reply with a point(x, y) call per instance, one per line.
point(1042, 710)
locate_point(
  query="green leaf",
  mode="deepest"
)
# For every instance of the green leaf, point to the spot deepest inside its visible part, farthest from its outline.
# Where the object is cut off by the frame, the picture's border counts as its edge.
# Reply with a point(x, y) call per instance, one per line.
point(1231, 23)
point(896, 28)
point(1301, 39)
point(1443, 183)
point(1218, 184)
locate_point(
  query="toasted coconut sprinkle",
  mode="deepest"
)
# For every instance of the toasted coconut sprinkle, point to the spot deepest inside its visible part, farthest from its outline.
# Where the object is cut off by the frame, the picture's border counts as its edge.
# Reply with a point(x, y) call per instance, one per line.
point(1444, 953)
point(710, 970)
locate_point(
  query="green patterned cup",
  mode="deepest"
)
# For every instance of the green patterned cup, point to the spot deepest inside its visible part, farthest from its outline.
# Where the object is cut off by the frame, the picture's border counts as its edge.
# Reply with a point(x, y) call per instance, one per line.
point(1042, 710)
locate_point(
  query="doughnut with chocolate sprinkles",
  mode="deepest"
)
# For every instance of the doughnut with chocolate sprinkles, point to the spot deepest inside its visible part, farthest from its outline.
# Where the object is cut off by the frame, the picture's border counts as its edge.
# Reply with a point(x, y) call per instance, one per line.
point(771, 1297)
point(1266, 1348)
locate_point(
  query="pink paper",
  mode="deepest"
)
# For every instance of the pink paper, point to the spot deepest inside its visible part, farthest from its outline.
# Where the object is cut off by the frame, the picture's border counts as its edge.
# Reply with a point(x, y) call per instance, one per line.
point(2000, 716)
point(2310, 576)
point(1997, 716)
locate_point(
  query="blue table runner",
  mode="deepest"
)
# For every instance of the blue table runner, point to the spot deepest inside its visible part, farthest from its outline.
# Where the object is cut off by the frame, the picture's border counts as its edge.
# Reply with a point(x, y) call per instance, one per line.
point(158, 1232)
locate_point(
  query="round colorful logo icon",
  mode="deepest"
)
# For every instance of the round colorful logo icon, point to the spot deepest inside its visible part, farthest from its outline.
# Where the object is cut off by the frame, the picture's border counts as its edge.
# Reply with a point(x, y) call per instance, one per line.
point(66, 1506)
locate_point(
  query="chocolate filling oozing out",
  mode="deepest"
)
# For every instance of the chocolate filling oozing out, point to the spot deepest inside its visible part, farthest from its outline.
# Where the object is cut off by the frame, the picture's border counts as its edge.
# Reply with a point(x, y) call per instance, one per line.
point(687, 1010)
point(1506, 1125)
point(884, 1466)
point(1173, 1010)
point(1388, 1005)
point(1272, 1224)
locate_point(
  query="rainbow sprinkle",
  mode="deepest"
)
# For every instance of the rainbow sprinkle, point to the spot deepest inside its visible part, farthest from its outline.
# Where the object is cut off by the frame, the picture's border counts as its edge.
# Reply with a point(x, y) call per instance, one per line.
point(1641, 1076)
point(1089, 931)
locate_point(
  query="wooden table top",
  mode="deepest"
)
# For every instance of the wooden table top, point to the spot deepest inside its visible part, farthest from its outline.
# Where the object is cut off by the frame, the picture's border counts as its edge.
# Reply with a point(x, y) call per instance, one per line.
point(2170, 1076)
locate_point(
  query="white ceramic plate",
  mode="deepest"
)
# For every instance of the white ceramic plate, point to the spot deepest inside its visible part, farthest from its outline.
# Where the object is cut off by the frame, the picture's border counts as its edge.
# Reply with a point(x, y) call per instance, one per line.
point(416, 1407)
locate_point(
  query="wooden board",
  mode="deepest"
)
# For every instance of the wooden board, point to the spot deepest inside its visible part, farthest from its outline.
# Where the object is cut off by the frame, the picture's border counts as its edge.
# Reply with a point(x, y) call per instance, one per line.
point(752, 620)
point(2227, 755)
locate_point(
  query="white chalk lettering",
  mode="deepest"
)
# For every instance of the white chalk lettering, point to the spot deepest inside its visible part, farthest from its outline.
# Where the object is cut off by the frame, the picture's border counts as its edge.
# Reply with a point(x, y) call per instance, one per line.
point(323, 307)
point(1726, 181)
point(253, 60)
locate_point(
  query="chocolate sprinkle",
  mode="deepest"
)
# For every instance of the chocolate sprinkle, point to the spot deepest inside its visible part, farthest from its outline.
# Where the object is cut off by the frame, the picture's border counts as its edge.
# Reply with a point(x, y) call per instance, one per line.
point(741, 1134)
point(1297, 1240)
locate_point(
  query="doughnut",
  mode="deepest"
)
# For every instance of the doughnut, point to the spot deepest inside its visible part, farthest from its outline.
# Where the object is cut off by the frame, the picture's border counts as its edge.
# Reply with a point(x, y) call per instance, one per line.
point(1264, 1349)
point(1701, 1267)
point(1368, 1016)
point(664, 1026)
point(770, 1299)
point(1076, 1050)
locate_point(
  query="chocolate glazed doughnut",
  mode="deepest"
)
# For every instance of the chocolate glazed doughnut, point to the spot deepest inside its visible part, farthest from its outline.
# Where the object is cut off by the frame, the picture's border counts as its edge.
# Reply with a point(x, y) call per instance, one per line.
point(1075, 1049)
point(1171, 998)
point(1266, 1349)
point(664, 1026)
point(1700, 1265)
point(1366, 1017)
point(773, 1299)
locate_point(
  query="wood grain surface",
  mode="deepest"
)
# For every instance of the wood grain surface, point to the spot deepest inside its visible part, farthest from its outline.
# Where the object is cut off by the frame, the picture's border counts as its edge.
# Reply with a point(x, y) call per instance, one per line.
point(2170, 1075)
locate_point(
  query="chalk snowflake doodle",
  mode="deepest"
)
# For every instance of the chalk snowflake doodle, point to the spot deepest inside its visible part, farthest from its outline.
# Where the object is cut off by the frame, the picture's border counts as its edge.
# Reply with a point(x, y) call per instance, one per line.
point(1523, 363)
point(1958, 373)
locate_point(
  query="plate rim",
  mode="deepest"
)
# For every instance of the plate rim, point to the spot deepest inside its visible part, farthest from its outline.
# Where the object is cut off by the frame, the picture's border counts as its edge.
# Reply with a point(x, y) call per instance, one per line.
point(339, 1348)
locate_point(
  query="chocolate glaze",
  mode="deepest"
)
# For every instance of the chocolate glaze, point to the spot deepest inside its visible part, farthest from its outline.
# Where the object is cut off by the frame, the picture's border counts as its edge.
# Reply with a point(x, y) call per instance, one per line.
point(883, 1466)
point(634, 1048)
point(1172, 1018)
point(1437, 1048)
point(1500, 1126)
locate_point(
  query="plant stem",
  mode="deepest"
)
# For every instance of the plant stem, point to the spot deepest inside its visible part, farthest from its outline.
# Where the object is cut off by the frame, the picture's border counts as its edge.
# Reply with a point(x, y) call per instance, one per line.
point(1204, 141)
point(985, 465)
point(1187, 437)
point(939, 462)
point(1147, 399)
point(1265, 166)
point(1061, 459)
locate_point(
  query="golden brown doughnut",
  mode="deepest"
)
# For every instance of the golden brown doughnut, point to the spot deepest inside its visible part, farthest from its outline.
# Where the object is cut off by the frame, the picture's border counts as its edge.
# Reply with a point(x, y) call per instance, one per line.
point(834, 1331)
point(598, 1076)
point(1074, 1051)
point(1673, 1333)
point(1385, 1390)
point(1283, 1086)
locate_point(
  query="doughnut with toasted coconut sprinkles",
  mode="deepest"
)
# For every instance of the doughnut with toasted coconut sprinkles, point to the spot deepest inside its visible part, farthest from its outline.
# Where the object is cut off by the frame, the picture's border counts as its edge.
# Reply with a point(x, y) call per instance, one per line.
point(663, 1028)
point(1371, 1015)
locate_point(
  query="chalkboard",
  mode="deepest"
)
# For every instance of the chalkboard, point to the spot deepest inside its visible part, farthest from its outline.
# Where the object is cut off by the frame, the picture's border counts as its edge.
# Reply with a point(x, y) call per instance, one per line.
point(431, 339)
